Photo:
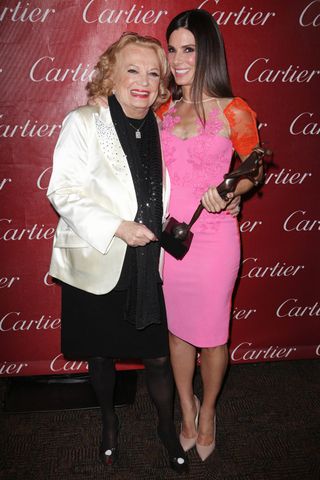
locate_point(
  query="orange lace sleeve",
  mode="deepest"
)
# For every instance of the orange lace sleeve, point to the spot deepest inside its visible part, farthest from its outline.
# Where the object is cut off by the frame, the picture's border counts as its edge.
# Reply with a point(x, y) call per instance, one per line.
point(163, 109)
point(243, 126)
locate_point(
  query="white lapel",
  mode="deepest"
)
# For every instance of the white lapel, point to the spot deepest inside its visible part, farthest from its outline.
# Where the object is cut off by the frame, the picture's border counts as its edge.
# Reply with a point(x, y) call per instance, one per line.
point(111, 146)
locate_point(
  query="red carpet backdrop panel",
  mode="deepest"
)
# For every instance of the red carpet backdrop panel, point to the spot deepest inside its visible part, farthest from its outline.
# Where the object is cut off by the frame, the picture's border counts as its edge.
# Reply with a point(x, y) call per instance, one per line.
point(48, 52)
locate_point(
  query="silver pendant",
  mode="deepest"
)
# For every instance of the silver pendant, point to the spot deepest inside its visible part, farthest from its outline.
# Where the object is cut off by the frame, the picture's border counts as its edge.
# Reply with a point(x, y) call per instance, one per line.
point(138, 134)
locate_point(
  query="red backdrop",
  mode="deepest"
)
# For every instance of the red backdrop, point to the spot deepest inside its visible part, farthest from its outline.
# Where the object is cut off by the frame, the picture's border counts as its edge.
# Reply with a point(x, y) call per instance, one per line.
point(49, 49)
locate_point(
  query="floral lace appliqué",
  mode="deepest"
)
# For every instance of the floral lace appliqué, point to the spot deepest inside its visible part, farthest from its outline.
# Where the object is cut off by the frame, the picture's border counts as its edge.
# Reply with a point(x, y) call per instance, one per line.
point(198, 161)
point(243, 124)
point(168, 145)
point(213, 125)
point(169, 120)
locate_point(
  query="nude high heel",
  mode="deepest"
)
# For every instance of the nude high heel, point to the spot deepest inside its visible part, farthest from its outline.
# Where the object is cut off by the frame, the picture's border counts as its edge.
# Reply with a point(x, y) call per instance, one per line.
point(188, 443)
point(205, 450)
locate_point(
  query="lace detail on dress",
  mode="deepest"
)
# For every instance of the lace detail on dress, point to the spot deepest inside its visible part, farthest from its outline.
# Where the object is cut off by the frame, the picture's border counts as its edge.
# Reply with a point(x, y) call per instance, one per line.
point(214, 124)
point(243, 124)
point(169, 120)
point(201, 160)
point(204, 164)
point(168, 146)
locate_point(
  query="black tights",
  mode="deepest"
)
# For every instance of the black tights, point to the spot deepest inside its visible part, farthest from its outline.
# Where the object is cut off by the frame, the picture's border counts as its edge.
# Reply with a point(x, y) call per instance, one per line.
point(160, 387)
point(103, 377)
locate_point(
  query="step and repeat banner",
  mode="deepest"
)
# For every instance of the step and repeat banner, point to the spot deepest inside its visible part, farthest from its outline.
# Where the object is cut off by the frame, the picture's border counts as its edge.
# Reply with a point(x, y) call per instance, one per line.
point(48, 52)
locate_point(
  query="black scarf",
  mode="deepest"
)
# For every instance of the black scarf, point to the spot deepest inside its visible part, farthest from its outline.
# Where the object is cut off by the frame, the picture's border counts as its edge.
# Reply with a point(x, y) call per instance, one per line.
point(145, 163)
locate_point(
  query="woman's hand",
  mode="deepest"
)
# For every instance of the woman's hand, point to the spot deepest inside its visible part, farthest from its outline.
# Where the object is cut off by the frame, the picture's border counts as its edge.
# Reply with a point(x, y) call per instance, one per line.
point(99, 101)
point(135, 234)
point(233, 207)
point(212, 201)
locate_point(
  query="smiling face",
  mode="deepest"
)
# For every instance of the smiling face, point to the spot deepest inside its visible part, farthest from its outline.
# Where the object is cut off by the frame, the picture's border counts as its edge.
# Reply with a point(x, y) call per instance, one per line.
point(182, 56)
point(136, 78)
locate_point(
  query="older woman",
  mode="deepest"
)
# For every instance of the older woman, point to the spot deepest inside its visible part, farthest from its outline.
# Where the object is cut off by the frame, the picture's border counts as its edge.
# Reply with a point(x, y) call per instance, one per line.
point(110, 189)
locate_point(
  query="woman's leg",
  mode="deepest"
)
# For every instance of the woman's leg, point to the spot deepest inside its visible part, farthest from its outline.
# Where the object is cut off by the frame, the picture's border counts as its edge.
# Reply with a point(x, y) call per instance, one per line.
point(161, 389)
point(183, 361)
point(102, 373)
point(213, 366)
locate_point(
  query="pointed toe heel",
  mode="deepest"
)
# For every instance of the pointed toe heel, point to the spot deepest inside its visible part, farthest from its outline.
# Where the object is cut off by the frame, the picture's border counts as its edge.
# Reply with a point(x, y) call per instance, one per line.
point(188, 443)
point(204, 451)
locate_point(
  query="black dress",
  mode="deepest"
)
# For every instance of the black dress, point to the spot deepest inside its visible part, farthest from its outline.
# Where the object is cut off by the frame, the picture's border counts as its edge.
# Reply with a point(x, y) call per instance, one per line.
point(97, 325)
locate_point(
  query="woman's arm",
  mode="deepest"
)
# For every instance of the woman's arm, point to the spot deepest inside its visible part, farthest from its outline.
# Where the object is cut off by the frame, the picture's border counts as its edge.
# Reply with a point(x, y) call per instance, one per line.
point(244, 137)
point(135, 234)
point(87, 218)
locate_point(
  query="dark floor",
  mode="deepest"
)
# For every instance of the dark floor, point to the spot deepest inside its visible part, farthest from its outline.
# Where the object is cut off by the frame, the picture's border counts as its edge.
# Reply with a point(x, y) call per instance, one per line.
point(267, 429)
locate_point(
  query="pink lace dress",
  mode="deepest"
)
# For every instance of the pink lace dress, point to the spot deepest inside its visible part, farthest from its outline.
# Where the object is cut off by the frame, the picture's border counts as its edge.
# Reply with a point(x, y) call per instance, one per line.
point(198, 289)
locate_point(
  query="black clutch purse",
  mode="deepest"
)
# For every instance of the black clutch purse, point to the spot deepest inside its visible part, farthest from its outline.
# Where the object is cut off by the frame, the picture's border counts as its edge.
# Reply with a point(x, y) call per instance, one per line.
point(176, 237)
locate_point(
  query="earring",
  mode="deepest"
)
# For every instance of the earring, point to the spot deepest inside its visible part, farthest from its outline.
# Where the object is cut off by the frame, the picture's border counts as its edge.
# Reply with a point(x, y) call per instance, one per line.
point(113, 91)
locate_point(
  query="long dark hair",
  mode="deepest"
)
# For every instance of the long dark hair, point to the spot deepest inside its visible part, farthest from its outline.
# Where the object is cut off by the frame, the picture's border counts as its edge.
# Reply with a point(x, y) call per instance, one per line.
point(211, 72)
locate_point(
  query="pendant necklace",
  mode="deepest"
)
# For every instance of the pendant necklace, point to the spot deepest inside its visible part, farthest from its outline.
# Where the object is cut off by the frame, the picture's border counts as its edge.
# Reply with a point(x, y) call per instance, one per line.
point(138, 130)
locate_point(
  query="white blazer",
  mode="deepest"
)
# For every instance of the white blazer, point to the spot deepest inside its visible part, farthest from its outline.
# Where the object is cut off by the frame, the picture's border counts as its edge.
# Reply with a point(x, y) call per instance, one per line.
point(92, 190)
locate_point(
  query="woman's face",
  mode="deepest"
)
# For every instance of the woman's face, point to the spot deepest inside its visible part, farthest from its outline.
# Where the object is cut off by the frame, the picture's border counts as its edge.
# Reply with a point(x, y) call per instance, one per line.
point(136, 77)
point(182, 56)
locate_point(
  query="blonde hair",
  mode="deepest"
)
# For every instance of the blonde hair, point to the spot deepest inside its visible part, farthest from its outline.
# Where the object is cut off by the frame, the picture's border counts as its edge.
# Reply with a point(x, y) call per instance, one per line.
point(102, 84)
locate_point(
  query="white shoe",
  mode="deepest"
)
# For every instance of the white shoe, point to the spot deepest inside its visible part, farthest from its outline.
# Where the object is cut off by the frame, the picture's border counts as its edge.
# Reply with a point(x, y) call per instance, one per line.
point(188, 443)
point(205, 450)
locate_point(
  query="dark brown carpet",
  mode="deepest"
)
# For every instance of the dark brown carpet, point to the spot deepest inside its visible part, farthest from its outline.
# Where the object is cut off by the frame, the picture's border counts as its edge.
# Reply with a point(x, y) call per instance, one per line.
point(267, 429)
